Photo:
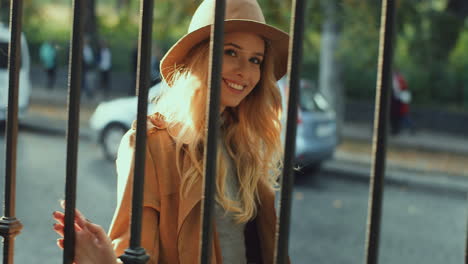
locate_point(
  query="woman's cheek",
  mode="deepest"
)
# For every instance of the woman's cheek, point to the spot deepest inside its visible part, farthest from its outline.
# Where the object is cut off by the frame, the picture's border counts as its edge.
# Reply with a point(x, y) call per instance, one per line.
point(257, 75)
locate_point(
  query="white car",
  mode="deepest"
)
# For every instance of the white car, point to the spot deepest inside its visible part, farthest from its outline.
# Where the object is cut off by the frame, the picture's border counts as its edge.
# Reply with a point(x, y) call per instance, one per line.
point(316, 138)
point(112, 119)
point(24, 74)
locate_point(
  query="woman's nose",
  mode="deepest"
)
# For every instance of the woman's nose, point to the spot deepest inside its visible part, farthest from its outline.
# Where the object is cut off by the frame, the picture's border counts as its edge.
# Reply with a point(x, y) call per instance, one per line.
point(241, 67)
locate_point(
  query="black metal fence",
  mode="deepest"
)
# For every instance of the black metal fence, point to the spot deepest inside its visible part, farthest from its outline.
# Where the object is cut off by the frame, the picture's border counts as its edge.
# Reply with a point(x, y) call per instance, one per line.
point(10, 226)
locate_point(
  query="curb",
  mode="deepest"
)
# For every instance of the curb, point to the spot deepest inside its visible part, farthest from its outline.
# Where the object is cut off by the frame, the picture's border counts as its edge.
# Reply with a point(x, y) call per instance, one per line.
point(460, 150)
point(430, 181)
point(38, 123)
point(422, 140)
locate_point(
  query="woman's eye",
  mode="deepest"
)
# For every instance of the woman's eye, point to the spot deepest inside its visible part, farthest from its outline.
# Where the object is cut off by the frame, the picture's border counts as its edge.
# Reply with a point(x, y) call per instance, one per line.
point(256, 61)
point(230, 52)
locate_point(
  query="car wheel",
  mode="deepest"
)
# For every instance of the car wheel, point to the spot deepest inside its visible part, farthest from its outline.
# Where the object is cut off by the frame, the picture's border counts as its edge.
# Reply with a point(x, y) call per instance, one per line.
point(110, 140)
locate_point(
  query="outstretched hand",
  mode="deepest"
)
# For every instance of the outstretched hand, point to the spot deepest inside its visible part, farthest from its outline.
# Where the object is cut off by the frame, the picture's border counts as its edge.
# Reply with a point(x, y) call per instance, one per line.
point(92, 245)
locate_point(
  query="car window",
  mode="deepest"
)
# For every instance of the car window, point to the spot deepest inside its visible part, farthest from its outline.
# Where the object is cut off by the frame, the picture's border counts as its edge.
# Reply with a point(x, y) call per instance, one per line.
point(312, 100)
point(307, 98)
point(320, 102)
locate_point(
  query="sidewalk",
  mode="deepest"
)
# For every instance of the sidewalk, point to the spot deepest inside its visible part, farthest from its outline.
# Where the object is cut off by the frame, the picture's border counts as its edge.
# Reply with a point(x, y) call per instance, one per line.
point(48, 108)
point(422, 153)
point(423, 140)
point(427, 159)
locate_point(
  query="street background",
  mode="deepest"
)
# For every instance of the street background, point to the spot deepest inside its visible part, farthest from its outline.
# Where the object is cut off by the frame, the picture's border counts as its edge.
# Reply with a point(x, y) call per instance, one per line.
point(425, 198)
point(424, 213)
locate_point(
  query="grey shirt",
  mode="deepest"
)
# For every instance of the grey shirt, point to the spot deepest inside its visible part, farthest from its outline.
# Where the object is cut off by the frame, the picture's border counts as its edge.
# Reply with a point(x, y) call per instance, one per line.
point(231, 234)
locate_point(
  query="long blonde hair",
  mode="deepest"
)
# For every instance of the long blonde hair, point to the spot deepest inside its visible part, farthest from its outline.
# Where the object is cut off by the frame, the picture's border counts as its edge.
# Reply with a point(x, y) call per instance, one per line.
point(252, 140)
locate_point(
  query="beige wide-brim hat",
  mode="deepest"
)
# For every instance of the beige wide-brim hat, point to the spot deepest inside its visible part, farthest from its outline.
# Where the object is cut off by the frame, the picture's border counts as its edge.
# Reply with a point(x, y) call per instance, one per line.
point(240, 16)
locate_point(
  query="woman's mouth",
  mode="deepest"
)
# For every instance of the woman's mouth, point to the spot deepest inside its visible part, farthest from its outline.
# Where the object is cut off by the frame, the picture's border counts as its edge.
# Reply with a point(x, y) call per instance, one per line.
point(234, 87)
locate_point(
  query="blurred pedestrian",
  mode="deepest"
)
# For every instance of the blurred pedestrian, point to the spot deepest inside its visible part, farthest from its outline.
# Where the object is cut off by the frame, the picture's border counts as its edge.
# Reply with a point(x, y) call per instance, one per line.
point(48, 57)
point(399, 108)
point(254, 59)
point(88, 65)
point(134, 59)
point(105, 65)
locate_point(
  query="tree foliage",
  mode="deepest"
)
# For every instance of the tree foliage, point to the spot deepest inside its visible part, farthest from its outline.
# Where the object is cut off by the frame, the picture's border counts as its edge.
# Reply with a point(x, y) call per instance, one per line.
point(431, 37)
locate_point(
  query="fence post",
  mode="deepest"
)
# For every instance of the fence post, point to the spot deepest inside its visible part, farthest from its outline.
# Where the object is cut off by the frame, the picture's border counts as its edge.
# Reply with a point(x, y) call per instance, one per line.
point(213, 105)
point(287, 179)
point(74, 89)
point(9, 225)
point(379, 145)
point(135, 254)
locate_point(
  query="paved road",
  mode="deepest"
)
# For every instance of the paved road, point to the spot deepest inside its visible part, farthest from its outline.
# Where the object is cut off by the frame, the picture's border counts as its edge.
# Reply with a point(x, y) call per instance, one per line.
point(420, 225)
point(41, 184)
point(328, 220)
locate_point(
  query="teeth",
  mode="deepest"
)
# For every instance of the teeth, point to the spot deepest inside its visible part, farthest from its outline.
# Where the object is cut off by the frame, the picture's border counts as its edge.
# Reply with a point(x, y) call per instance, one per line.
point(235, 86)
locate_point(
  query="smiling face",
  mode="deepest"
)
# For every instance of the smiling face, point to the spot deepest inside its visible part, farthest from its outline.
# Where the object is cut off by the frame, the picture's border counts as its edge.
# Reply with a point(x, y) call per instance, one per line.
point(243, 57)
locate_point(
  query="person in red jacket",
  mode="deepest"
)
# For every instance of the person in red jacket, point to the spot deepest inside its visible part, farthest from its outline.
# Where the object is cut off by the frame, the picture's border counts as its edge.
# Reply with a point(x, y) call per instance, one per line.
point(401, 98)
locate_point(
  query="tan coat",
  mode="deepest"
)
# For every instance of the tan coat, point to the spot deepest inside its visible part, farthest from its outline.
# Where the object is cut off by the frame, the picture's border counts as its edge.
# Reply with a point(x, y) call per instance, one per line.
point(171, 223)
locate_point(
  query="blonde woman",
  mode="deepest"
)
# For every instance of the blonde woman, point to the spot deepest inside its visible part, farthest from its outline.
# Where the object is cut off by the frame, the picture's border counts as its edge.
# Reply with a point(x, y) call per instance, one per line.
point(249, 154)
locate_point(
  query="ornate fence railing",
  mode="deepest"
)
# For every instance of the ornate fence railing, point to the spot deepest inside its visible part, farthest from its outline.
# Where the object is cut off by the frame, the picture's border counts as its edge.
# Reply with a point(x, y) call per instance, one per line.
point(10, 226)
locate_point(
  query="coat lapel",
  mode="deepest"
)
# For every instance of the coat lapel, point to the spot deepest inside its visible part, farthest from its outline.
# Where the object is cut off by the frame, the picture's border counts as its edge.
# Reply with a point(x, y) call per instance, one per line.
point(187, 203)
point(266, 221)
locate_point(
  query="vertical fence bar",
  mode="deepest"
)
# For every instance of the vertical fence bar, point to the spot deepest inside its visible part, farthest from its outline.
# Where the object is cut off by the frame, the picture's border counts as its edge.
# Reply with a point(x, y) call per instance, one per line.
point(379, 145)
point(135, 254)
point(213, 105)
point(9, 225)
point(74, 89)
point(287, 180)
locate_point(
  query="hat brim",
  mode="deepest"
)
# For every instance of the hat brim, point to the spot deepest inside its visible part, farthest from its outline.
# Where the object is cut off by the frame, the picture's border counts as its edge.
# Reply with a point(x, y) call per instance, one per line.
point(278, 39)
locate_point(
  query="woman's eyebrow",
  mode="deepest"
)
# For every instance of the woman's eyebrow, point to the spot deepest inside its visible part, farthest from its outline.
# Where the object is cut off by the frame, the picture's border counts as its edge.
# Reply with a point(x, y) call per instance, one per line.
point(239, 47)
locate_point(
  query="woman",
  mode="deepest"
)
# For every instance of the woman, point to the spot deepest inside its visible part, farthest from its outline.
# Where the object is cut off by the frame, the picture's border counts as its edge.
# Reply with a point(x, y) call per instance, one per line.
point(249, 155)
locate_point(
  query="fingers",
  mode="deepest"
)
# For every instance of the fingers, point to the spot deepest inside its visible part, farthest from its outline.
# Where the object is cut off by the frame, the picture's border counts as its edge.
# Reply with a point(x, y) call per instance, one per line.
point(60, 243)
point(60, 218)
point(77, 212)
point(97, 231)
point(59, 228)
point(79, 217)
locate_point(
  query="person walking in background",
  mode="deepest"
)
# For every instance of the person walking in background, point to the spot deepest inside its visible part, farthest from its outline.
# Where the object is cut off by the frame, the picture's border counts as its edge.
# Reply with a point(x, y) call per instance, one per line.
point(134, 59)
point(87, 67)
point(48, 57)
point(105, 65)
point(400, 100)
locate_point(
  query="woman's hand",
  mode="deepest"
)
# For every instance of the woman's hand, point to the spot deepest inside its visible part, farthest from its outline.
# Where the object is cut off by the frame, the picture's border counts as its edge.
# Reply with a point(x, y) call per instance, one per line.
point(92, 245)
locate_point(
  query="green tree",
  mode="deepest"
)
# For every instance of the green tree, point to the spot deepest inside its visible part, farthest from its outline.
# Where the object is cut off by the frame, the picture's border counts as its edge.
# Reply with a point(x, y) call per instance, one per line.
point(431, 32)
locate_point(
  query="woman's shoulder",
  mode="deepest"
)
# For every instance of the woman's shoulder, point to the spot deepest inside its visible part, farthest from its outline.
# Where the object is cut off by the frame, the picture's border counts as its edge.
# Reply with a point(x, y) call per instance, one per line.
point(154, 122)
point(156, 130)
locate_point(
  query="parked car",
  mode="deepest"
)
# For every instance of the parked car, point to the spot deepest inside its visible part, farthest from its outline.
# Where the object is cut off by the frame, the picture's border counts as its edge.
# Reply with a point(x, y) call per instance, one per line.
point(24, 74)
point(316, 125)
point(112, 119)
point(316, 135)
